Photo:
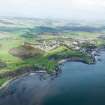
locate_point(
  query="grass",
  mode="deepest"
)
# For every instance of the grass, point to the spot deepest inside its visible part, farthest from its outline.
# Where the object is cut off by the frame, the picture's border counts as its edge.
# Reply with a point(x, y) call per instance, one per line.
point(13, 38)
point(2, 81)
point(14, 63)
point(68, 53)
point(41, 61)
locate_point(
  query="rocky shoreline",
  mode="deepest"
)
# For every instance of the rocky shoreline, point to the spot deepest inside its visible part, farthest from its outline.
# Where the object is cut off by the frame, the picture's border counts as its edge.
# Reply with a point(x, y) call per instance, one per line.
point(26, 70)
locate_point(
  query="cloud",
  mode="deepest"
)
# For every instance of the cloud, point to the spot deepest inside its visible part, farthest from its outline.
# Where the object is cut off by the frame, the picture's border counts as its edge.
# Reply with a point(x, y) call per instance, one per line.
point(86, 9)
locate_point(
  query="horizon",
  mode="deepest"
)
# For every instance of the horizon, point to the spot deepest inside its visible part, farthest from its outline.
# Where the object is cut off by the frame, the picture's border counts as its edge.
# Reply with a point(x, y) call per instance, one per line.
point(86, 10)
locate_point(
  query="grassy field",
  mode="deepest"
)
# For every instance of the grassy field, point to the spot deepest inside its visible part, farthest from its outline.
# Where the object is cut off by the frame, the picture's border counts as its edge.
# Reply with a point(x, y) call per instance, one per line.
point(13, 63)
point(45, 60)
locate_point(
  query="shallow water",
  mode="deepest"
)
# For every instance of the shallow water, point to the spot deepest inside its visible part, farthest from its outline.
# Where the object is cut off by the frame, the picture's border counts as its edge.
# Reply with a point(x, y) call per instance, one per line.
point(77, 84)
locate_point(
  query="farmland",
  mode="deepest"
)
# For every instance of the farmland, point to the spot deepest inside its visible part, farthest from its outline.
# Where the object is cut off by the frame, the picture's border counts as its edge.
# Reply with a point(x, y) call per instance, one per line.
point(30, 45)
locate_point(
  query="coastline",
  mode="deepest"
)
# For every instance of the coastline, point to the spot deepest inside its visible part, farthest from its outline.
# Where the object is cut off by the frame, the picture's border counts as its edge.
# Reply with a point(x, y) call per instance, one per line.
point(73, 59)
point(27, 70)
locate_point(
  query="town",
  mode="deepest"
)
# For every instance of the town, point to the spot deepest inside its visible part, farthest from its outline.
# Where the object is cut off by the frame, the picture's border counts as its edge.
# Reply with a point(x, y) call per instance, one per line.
point(50, 44)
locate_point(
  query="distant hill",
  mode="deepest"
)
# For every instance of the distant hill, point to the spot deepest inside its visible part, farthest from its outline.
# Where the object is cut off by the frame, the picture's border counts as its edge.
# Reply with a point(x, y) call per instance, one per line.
point(28, 27)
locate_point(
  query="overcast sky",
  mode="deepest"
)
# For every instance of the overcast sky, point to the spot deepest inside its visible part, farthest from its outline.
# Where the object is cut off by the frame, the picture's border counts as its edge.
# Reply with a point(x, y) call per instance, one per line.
point(68, 9)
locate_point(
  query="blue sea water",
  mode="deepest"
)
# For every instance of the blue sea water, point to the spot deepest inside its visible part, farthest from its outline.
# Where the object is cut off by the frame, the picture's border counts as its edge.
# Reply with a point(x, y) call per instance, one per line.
point(77, 84)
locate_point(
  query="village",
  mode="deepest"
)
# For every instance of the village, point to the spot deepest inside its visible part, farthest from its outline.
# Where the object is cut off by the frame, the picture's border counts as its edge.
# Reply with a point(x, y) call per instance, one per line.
point(50, 44)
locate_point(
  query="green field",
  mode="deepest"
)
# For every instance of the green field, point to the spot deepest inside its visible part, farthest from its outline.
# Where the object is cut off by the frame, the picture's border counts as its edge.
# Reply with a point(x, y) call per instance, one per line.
point(42, 61)
point(12, 38)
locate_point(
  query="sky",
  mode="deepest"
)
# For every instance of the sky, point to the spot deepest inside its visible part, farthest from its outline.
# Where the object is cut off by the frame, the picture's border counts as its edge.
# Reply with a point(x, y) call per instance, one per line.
point(67, 9)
